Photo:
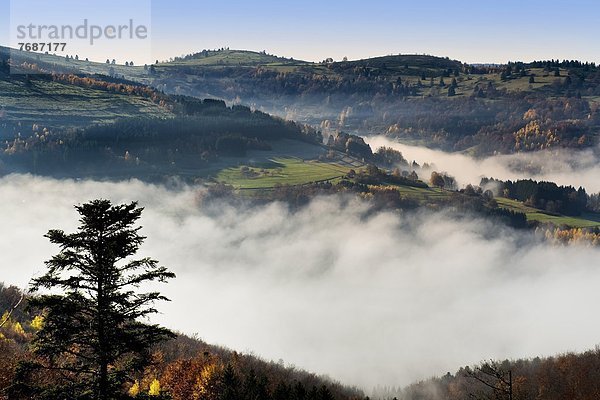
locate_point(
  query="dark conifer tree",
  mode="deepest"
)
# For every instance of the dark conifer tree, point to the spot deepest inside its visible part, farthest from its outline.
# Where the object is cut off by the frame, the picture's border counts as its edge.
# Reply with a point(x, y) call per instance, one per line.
point(93, 337)
point(230, 384)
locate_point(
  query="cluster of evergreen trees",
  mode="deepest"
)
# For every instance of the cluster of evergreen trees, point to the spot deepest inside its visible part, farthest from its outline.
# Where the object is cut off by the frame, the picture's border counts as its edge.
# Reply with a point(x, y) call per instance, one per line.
point(546, 196)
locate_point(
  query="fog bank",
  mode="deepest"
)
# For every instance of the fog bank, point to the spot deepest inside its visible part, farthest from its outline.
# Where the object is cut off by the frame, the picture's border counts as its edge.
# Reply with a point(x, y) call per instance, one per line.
point(383, 298)
point(563, 166)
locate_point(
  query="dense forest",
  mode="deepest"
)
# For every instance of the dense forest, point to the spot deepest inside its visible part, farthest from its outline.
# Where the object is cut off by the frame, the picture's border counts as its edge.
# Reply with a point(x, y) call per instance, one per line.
point(545, 195)
point(505, 123)
point(188, 140)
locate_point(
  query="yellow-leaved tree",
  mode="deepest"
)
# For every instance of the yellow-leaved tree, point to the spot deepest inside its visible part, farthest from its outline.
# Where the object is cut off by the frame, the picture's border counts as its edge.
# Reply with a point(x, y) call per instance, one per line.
point(154, 388)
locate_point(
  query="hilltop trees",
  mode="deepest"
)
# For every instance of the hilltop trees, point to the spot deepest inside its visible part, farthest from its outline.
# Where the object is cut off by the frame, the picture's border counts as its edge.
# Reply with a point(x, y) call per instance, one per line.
point(92, 338)
point(547, 196)
point(353, 145)
point(437, 179)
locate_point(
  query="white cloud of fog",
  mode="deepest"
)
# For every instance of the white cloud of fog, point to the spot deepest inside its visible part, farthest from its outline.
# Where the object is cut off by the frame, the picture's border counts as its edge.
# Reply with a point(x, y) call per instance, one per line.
point(369, 299)
point(565, 167)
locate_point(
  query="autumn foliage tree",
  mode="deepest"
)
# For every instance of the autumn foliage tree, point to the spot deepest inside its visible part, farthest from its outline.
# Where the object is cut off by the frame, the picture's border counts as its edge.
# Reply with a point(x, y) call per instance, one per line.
point(93, 338)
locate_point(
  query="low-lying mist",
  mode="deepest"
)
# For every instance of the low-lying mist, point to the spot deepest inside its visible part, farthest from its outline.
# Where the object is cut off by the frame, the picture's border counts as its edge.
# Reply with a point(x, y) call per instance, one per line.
point(563, 166)
point(367, 298)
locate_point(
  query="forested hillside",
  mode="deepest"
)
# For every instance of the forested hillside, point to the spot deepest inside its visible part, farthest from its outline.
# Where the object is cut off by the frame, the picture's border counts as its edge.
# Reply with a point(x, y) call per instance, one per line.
point(564, 376)
point(428, 100)
point(181, 369)
point(76, 125)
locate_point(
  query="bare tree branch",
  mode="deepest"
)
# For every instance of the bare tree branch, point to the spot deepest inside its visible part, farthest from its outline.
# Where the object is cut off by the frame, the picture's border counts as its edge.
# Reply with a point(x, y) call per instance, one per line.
point(499, 384)
point(13, 308)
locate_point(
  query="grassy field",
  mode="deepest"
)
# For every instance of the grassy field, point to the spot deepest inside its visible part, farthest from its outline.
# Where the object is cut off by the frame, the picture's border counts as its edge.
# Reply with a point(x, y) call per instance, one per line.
point(290, 171)
point(536, 215)
point(421, 194)
point(54, 104)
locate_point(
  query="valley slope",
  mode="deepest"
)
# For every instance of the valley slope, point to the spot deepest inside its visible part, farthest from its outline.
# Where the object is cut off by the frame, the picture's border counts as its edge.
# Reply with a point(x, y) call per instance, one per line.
point(427, 100)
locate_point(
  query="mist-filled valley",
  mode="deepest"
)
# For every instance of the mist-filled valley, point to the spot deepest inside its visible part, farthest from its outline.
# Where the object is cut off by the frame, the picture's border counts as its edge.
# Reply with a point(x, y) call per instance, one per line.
point(216, 223)
point(369, 298)
point(562, 166)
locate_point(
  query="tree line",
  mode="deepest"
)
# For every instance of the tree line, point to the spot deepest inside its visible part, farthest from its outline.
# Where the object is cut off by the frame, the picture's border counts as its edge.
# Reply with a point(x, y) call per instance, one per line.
point(565, 376)
point(543, 195)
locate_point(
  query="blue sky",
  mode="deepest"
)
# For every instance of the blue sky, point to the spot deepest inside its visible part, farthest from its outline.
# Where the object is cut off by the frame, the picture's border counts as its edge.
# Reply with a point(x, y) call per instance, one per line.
point(471, 31)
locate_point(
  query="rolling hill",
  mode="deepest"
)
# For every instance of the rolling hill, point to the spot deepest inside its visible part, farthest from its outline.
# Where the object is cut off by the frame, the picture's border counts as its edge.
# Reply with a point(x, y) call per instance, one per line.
point(226, 57)
point(432, 101)
point(178, 365)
